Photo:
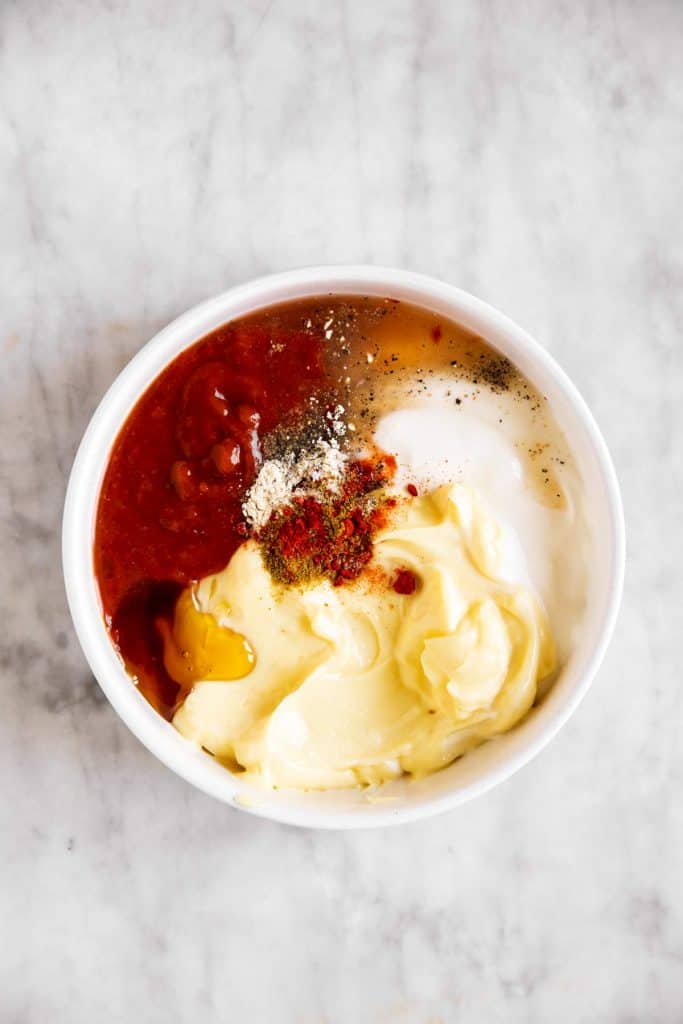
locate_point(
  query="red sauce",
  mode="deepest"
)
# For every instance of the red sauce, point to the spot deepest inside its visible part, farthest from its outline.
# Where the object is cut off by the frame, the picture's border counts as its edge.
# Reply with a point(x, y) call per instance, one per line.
point(170, 505)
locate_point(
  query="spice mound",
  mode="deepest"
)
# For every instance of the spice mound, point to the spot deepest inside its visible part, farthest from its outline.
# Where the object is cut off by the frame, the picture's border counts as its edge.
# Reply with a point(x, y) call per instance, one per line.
point(320, 467)
point(329, 533)
point(314, 512)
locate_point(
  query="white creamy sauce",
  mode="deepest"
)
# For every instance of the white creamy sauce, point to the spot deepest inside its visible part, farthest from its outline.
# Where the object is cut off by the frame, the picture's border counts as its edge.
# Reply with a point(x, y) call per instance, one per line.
point(436, 441)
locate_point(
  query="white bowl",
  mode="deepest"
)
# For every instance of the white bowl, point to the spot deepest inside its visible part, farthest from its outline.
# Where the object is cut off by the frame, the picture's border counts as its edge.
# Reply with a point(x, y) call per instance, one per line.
point(403, 800)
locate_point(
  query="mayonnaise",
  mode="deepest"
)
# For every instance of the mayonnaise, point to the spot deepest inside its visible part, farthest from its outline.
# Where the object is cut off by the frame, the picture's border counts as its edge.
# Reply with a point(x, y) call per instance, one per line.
point(359, 684)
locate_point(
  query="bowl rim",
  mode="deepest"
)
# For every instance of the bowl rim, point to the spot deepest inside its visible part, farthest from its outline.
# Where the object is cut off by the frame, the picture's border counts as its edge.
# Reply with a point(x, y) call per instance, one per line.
point(83, 493)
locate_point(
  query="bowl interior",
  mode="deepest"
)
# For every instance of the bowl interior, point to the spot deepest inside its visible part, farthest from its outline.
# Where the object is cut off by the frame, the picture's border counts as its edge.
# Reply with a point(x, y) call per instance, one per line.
point(401, 800)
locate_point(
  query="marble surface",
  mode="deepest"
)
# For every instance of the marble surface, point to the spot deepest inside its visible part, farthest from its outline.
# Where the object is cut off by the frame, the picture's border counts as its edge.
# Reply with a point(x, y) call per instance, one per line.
point(153, 153)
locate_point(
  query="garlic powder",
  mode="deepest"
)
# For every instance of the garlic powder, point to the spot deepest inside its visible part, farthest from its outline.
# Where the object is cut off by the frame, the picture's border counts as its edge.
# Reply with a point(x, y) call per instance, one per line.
point(321, 467)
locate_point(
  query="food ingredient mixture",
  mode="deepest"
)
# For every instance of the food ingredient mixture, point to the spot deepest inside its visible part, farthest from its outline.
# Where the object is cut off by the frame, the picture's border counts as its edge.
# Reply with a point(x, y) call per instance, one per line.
point(341, 541)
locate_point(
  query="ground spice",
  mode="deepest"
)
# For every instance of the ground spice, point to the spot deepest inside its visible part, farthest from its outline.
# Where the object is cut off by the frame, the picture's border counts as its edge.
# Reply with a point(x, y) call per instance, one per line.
point(496, 371)
point(329, 535)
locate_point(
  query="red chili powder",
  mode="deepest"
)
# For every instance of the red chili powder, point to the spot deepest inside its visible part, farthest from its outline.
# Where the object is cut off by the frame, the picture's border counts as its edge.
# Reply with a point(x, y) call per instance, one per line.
point(330, 535)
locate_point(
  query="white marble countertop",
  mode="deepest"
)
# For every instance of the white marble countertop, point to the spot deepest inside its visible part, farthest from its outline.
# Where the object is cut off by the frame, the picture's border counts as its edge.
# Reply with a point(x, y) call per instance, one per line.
point(152, 154)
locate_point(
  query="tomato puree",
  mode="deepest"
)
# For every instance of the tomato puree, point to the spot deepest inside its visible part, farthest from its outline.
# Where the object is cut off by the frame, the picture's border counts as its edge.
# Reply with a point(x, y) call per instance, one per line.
point(170, 506)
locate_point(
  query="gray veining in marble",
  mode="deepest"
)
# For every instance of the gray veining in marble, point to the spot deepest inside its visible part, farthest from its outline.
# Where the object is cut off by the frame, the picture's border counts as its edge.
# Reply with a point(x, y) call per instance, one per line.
point(153, 153)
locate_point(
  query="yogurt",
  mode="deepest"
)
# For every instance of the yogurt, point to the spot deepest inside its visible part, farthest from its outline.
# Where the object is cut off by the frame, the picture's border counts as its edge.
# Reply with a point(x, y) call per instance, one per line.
point(499, 447)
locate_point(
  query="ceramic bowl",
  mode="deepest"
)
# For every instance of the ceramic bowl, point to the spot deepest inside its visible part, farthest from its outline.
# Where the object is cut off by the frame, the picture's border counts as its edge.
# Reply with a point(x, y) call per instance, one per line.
point(403, 800)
